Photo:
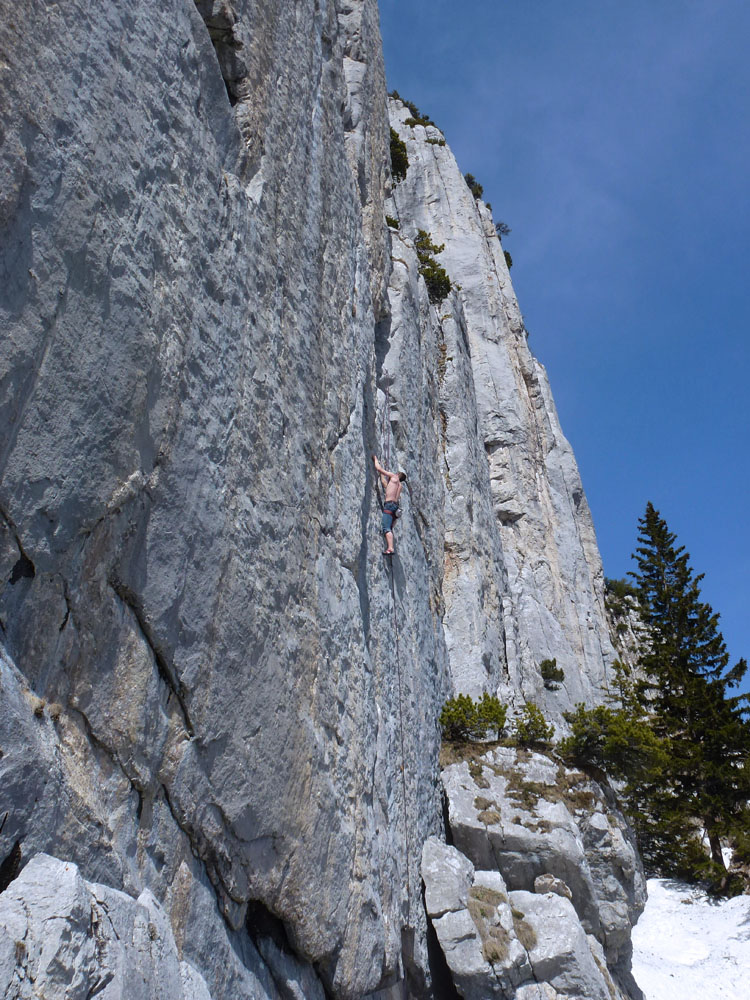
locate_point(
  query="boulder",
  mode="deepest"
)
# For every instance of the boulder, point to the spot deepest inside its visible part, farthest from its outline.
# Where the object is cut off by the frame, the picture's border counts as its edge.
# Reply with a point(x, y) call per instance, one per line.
point(474, 923)
point(560, 951)
point(530, 817)
point(510, 945)
point(61, 936)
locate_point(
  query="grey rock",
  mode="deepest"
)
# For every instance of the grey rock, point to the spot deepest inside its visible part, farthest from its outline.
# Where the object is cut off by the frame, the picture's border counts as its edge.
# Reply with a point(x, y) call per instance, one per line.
point(187, 383)
point(560, 951)
point(536, 991)
point(64, 937)
point(534, 819)
point(548, 883)
point(447, 877)
point(626, 628)
point(511, 945)
point(540, 557)
point(473, 920)
point(218, 700)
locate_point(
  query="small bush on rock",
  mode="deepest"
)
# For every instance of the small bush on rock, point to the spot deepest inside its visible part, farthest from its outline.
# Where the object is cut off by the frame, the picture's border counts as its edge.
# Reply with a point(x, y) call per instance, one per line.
point(399, 157)
point(417, 118)
point(621, 598)
point(436, 277)
point(531, 729)
point(502, 230)
point(393, 223)
point(463, 719)
point(508, 259)
point(613, 740)
point(620, 588)
point(552, 675)
point(474, 186)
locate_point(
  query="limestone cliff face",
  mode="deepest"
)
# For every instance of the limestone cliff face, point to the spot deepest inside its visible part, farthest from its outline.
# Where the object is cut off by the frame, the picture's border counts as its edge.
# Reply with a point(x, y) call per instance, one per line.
point(214, 686)
point(521, 554)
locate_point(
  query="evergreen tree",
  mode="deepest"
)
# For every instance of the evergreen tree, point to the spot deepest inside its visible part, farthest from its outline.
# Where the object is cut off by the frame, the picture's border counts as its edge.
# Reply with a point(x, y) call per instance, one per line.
point(684, 691)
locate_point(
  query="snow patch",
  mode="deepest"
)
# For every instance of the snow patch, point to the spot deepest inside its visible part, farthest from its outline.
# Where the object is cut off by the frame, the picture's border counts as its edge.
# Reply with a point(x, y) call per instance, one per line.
point(687, 945)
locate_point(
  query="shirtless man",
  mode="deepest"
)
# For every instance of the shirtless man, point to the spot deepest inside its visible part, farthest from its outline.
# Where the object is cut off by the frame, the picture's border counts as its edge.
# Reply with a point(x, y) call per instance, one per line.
point(393, 483)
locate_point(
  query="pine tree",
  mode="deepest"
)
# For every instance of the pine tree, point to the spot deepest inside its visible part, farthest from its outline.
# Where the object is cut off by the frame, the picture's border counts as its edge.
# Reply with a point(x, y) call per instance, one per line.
point(684, 690)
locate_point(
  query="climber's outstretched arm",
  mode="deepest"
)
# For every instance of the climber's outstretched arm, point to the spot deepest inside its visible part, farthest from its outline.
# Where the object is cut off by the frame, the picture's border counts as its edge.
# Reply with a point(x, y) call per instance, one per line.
point(385, 475)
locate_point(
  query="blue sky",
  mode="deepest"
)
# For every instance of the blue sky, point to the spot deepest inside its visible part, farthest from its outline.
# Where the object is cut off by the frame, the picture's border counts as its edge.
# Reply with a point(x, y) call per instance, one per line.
point(614, 139)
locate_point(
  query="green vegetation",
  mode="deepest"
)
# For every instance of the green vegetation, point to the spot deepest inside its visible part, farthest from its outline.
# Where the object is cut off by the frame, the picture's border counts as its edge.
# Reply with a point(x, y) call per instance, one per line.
point(685, 693)
point(436, 142)
point(613, 741)
point(417, 118)
point(619, 588)
point(675, 736)
point(474, 186)
point(436, 277)
point(393, 223)
point(620, 598)
point(502, 230)
point(552, 675)
point(508, 259)
point(464, 719)
point(399, 157)
point(531, 728)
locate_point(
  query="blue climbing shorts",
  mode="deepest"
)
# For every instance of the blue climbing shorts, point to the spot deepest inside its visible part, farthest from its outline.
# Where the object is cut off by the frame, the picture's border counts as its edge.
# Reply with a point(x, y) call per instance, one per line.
point(390, 513)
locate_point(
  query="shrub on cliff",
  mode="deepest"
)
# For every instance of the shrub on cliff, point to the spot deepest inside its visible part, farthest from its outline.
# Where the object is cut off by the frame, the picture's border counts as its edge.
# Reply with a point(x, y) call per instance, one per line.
point(463, 719)
point(474, 186)
point(552, 675)
point(613, 740)
point(399, 157)
point(619, 588)
point(436, 277)
point(502, 229)
point(531, 728)
point(417, 118)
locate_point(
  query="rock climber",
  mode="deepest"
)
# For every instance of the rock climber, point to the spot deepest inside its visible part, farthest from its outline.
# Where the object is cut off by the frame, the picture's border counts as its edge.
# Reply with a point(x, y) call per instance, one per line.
point(393, 483)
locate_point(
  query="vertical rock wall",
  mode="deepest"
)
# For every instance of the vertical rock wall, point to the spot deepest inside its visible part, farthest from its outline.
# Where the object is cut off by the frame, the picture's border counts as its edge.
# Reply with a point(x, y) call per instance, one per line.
point(216, 688)
point(531, 559)
point(192, 238)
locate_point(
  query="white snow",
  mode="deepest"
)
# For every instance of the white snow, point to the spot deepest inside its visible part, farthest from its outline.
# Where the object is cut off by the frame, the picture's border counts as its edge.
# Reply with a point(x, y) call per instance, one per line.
point(687, 946)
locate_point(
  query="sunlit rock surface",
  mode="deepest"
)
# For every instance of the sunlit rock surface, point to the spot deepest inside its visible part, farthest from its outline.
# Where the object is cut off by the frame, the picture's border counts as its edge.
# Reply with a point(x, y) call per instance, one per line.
point(551, 585)
point(567, 861)
point(59, 934)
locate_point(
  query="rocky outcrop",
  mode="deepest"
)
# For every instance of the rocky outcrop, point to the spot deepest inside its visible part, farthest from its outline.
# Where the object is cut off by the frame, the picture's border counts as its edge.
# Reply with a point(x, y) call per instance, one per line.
point(61, 936)
point(215, 691)
point(508, 944)
point(626, 628)
point(542, 883)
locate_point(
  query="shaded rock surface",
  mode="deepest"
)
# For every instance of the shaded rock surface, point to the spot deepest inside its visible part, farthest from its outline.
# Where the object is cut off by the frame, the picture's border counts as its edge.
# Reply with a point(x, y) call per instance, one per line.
point(214, 690)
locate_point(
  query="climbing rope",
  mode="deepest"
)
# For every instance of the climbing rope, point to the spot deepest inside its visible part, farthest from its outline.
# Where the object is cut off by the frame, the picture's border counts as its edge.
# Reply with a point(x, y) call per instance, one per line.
point(403, 745)
point(386, 439)
point(386, 425)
